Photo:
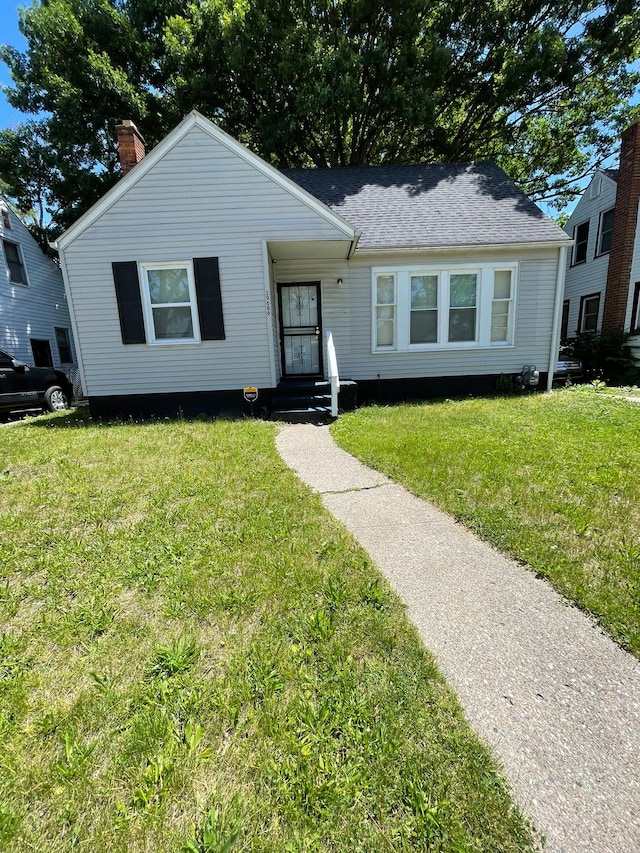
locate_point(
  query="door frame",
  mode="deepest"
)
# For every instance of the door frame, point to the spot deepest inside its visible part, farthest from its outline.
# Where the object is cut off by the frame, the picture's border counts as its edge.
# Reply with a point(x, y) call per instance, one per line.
point(284, 374)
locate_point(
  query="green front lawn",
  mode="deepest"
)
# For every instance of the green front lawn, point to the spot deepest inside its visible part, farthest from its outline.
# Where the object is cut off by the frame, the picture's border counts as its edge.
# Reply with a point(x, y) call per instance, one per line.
point(194, 656)
point(551, 479)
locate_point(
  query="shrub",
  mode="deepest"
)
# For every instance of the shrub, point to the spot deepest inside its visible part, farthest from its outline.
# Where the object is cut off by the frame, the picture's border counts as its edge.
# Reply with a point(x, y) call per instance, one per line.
point(605, 356)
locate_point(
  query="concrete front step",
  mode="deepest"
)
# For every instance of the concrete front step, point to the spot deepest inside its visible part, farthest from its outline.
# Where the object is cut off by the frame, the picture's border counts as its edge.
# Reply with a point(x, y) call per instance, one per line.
point(309, 415)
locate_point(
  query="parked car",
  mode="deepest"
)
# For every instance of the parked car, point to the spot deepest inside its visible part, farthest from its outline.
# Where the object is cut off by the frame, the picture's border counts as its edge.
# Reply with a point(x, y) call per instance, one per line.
point(24, 387)
point(568, 369)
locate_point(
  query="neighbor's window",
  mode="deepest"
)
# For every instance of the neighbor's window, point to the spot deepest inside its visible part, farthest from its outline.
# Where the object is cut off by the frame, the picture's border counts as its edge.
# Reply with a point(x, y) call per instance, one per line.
point(501, 305)
point(423, 326)
point(564, 326)
point(462, 306)
point(386, 310)
point(581, 236)
point(606, 232)
point(64, 346)
point(169, 301)
point(432, 308)
point(589, 309)
point(17, 271)
point(6, 220)
point(635, 314)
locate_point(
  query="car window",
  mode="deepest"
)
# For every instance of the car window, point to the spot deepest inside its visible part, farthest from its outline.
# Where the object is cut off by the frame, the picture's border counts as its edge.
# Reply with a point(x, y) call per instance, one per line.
point(5, 360)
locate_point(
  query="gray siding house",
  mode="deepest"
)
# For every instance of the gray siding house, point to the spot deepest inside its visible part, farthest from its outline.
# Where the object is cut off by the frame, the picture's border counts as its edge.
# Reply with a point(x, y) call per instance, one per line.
point(602, 285)
point(35, 326)
point(206, 271)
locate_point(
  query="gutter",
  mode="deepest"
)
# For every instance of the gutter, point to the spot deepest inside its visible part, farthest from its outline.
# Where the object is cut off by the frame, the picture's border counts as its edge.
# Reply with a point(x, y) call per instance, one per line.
point(463, 247)
point(353, 246)
point(555, 336)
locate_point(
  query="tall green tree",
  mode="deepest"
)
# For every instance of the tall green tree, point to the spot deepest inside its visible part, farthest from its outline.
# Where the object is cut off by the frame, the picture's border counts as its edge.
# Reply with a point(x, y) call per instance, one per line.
point(541, 88)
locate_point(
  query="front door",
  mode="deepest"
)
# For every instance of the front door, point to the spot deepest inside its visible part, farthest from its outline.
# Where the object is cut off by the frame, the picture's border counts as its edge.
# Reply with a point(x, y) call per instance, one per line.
point(300, 330)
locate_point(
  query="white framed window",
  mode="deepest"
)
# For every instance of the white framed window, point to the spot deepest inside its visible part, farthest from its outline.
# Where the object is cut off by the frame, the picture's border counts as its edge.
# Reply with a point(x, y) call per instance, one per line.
point(502, 306)
point(385, 310)
point(581, 236)
point(15, 263)
point(426, 308)
point(596, 187)
point(63, 342)
point(589, 312)
point(605, 232)
point(169, 302)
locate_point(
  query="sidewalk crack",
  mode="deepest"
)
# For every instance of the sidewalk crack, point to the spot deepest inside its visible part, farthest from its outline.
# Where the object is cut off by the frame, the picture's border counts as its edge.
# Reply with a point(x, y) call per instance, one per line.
point(353, 489)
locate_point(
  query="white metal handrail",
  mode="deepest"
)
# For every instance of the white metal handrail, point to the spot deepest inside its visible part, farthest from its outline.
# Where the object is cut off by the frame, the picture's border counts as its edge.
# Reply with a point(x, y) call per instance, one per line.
point(334, 377)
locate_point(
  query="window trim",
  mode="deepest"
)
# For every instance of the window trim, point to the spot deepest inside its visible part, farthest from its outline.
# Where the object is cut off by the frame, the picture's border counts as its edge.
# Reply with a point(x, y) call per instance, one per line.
point(574, 261)
point(147, 308)
point(583, 300)
point(635, 310)
point(375, 304)
point(599, 252)
point(564, 322)
point(67, 333)
point(24, 283)
point(484, 298)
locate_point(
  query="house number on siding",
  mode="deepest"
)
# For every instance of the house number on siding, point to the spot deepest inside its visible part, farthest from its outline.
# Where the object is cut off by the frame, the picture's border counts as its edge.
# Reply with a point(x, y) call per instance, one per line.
point(267, 299)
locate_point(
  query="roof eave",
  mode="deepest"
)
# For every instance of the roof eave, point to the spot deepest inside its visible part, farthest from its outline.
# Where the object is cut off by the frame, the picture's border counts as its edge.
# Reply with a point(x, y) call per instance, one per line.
point(463, 247)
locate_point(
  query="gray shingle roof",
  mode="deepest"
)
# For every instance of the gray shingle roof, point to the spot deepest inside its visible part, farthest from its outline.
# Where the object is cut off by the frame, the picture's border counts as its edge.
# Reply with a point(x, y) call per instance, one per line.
point(612, 173)
point(459, 204)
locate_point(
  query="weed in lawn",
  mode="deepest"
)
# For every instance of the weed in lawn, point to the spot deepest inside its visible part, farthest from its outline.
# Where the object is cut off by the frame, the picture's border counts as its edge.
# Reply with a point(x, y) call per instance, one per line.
point(205, 627)
point(178, 657)
point(219, 832)
point(76, 757)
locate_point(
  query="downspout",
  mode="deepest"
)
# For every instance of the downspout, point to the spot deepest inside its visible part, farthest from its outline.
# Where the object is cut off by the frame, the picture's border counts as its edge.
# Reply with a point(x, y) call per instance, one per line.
point(72, 316)
point(555, 335)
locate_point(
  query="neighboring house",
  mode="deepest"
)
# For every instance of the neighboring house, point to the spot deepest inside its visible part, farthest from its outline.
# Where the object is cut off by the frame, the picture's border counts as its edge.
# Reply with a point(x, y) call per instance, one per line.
point(602, 285)
point(35, 326)
point(205, 270)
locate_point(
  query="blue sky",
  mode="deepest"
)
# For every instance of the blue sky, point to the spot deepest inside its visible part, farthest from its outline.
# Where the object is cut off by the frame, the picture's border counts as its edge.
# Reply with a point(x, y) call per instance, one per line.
point(9, 34)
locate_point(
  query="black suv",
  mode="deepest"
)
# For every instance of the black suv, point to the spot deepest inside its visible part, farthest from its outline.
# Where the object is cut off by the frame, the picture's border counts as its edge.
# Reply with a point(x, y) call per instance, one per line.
point(23, 387)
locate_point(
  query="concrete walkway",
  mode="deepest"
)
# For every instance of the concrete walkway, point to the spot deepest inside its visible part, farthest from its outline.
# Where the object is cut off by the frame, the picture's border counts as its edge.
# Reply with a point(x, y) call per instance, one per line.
point(558, 702)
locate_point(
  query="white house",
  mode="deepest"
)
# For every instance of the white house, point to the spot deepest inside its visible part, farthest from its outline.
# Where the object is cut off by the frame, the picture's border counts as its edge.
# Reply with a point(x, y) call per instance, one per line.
point(35, 326)
point(602, 285)
point(205, 271)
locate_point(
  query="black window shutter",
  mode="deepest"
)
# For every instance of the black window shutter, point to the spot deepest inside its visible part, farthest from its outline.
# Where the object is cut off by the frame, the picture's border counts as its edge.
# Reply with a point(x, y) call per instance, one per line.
point(125, 276)
point(207, 276)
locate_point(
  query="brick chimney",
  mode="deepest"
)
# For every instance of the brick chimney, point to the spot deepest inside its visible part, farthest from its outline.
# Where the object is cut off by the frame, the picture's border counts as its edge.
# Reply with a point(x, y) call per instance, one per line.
point(625, 220)
point(130, 145)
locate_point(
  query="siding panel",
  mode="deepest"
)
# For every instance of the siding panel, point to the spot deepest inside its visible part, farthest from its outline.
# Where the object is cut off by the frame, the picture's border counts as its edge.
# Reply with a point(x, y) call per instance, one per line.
point(199, 200)
point(33, 311)
point(591, 276)
point(347, 313)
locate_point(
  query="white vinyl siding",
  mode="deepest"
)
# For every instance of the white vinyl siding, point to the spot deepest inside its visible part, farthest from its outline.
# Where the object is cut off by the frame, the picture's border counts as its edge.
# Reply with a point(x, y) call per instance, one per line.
point(591, 276)
point(348, 312)
point(200, 200)
point(35, 311)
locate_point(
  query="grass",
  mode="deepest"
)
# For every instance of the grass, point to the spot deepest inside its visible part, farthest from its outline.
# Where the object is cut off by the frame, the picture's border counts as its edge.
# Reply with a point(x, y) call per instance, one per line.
point(195, 656)
point(549, 479)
